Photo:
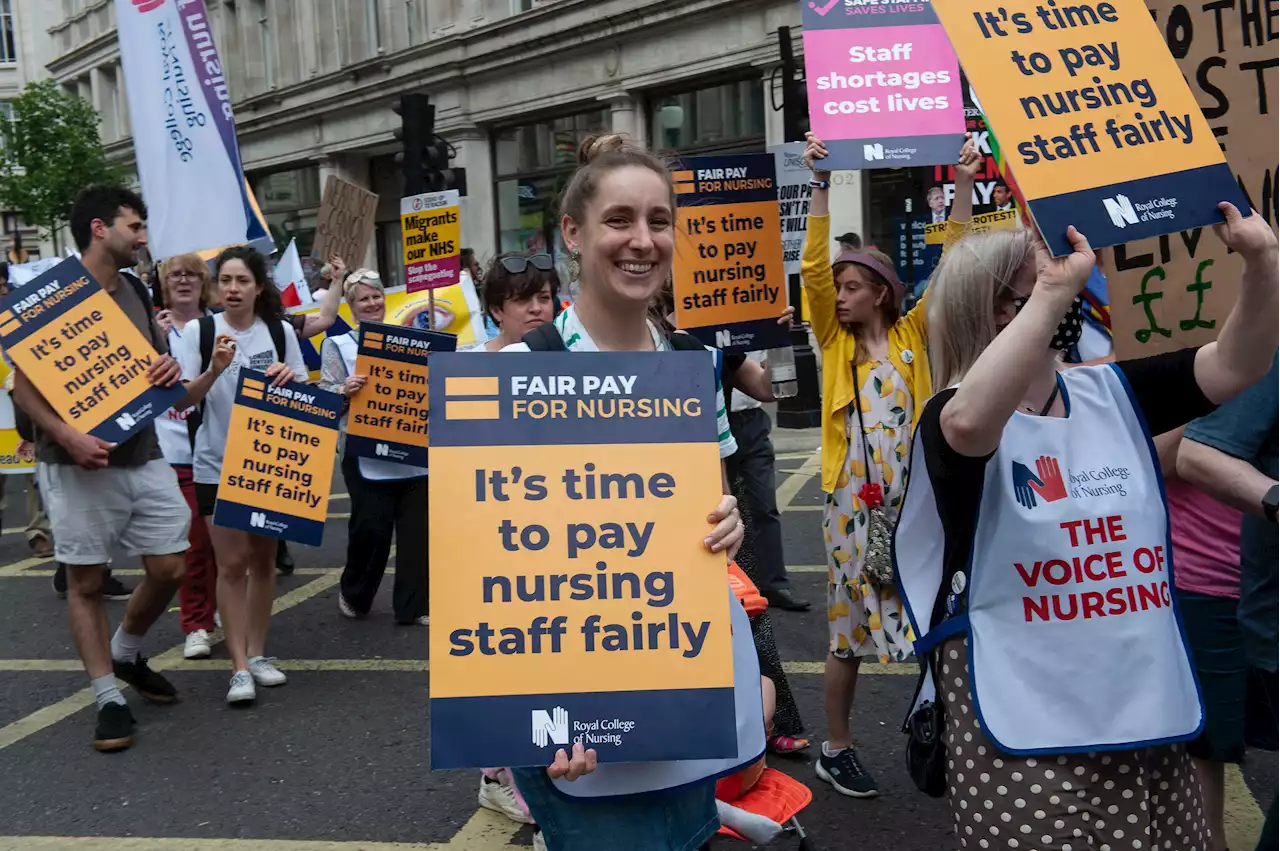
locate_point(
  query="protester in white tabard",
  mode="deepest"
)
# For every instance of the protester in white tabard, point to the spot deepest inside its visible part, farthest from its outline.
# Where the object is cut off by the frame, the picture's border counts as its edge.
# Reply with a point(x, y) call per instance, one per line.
point(252, 326)
point(618, 222)
point(521, 291)
point(101, 496)
point(387, 499)
point(1033, 550)
point(186, 291)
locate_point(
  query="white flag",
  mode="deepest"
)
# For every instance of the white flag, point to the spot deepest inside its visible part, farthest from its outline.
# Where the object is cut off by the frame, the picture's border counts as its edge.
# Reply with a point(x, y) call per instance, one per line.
point(184, 134)
point(290, 279)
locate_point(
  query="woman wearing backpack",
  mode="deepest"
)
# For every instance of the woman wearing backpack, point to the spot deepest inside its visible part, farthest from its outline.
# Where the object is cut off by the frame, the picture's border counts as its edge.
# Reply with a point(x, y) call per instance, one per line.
point(252, 326)
point(619, 214)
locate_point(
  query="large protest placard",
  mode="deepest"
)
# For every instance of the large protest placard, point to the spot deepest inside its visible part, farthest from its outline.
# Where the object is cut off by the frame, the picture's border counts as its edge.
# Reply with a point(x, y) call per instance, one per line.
point(568, 499)
point(388, 417)
point(11, 460)
point(278, 462)
point(1176, 291)
point(884, 83)
point(935, 234)
point(794, 193)
point(85, 355)
point(432, 233)
point(1096, 121)
point(730, 284)
point(344, 224)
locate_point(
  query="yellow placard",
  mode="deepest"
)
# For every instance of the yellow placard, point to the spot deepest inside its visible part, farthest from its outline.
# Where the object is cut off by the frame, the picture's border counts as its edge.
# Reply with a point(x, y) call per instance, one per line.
point(981, 223)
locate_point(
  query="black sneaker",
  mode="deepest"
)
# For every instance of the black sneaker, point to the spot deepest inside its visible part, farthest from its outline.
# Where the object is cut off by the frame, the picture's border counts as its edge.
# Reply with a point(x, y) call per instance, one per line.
point(112, 588)
point(284, 561)
point(115, 728)
point(145, 681)
point(60, 581)
point(845, 772)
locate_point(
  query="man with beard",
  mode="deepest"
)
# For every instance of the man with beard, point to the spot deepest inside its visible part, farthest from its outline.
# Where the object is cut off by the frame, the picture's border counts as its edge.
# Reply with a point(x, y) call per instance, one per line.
point(101, 495)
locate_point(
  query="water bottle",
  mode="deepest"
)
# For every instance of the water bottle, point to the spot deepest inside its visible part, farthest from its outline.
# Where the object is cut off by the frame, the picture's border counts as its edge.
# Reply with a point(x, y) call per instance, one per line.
point(782, 372)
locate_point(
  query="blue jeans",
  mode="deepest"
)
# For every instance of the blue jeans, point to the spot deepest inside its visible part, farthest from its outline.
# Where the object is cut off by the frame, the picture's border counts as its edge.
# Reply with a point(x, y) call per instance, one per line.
point(682, 820)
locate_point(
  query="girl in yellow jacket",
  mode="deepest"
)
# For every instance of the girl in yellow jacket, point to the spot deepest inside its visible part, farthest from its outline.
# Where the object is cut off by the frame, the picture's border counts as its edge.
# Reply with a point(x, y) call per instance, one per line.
point(875, 378)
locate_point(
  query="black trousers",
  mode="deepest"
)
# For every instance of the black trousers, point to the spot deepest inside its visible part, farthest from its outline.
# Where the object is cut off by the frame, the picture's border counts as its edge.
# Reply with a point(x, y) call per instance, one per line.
point(752, 468)
point(380, 509)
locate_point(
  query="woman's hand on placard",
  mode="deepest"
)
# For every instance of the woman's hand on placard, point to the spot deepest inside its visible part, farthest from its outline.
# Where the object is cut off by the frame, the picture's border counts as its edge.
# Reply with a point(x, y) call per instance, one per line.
point(785, 319)
point(572, 767)
point(1252, 238)
point(224, 351)
point(353, 385)
point(1064, 277)
point(165, 372)
point(970, 161)
point(338, 275)
point(726, 536)
point(815, 149)
point(280, 374)
point(164, 321)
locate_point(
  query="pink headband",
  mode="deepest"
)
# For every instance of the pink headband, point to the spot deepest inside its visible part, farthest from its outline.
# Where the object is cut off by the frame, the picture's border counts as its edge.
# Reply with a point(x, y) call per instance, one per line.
point(862, 259)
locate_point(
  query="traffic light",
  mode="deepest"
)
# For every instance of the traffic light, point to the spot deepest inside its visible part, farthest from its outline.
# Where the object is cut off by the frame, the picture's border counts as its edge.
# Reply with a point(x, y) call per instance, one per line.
point(424, 156)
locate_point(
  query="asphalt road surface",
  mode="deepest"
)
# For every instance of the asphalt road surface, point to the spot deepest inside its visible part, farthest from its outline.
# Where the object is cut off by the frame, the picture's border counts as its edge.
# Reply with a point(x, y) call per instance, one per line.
point(337, 759)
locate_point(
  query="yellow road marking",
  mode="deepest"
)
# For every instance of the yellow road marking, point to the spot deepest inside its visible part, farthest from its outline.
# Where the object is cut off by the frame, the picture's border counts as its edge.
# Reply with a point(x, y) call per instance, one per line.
point(339, 515)
point(806, 568)
point(801, 508)
point(907, 668)
point(791, 486)
point(49, 715)
point(1241, 814)
point(18, 567)
point(52, 666)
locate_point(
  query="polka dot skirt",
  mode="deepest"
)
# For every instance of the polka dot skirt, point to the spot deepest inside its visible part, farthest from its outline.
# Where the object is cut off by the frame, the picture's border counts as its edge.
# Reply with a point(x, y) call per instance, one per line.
point(1147, 799)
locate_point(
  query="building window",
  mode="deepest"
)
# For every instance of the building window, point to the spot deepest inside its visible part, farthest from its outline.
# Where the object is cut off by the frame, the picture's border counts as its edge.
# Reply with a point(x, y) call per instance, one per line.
point(8, 52)
point(373, 26)
point(518, 6)
point(721, 118)
point(532, 165)
point(290, 202)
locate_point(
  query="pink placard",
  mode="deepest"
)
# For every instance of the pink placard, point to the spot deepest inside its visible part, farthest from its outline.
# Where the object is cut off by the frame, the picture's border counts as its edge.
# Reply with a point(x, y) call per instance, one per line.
point(882, 82)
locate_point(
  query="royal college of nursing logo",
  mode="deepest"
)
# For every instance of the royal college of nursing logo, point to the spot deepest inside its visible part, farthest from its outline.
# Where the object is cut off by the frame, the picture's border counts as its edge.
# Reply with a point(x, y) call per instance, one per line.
point(550, 726)
point(1046, 482)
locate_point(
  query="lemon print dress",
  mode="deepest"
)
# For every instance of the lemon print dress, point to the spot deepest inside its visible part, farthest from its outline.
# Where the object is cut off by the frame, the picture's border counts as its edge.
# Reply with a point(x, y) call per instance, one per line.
point(865, 618)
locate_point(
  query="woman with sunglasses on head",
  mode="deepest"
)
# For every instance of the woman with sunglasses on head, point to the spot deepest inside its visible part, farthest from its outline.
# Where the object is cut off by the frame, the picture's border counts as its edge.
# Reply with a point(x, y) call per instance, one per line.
point(521, 291)
point(387, 499)
point(250, 333)
point(618, 221)
point(875, 374)
point(186, 290)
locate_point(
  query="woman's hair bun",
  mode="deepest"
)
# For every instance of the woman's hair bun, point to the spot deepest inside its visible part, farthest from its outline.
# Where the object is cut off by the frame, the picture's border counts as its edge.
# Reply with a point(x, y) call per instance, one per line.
point(606, 143)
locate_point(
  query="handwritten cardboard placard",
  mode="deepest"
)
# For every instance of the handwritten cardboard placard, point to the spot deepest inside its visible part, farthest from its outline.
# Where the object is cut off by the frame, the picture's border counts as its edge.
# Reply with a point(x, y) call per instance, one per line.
point(1176, 291)
point(1096, 121)
point(388, 417)
point(568, 497)
point(84, 353)
point(344, 224)
point(278, 464)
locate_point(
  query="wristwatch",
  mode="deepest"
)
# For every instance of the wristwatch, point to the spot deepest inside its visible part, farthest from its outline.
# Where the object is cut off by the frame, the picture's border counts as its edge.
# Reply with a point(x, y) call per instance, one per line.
point(820, 184)
point(1269, 502)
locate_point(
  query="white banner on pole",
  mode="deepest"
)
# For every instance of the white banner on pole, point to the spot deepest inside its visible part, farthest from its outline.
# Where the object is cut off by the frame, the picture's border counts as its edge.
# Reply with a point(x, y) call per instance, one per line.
point(184, 133)
point(793, 200)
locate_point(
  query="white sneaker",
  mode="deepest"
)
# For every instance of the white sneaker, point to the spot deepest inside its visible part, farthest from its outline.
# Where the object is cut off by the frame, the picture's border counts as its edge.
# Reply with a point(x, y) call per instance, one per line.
point(539, 844)
point(265, 673)
point(242, 690)
point(217, 619)
point(501, 799)
point(423, 620)
point(345, 608)
point(197, 645)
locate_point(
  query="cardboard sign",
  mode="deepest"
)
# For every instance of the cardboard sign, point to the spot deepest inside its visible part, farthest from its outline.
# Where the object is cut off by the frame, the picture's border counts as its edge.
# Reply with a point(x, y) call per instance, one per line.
point(1176, 291)
point(884, 84)
point(981, 223)
point(344, 225)
point(85, 355)
point(569, 498)
point(432, 240)
point(1094, 117)
point(730, 285)
point(11, 462)
point(794, 193)
point(388, 417)
point(278, 462)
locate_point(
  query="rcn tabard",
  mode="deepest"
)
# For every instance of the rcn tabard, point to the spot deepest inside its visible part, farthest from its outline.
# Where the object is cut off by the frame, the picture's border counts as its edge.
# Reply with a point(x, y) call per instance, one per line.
point(568, 497)
point(1096, 121)
point(729, 278)
point(388, 418)
point(85, 355)
point(883, 82)
point(278, 462)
